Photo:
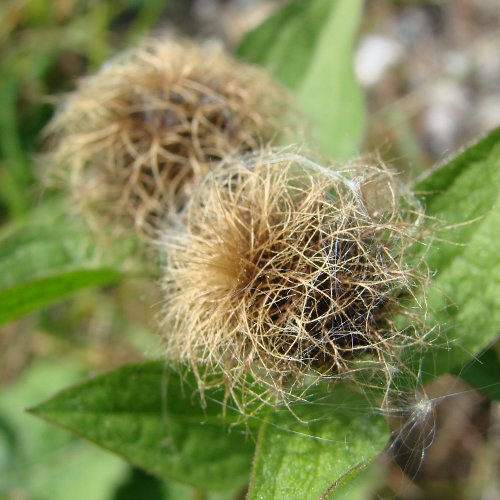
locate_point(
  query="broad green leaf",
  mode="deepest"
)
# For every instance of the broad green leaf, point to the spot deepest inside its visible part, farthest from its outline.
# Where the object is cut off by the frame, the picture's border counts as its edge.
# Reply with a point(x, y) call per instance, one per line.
point(147, 415)
point(40, 265)
point(308, 46)
point(462, 199)
point(338, 436)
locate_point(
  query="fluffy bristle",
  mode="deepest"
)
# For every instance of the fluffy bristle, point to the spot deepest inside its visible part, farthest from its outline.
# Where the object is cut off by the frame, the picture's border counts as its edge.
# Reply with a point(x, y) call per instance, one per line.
point(133, 139)
point(287, 269)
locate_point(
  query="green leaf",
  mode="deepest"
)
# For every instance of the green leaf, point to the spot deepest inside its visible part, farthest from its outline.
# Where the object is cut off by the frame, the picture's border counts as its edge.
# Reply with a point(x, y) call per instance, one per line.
point(305, 459)
point(366, 484)
point(285, 41)
point(329, 93)
point(40, 265)
point(462, 199)
point(308, 46)
point(147, 415)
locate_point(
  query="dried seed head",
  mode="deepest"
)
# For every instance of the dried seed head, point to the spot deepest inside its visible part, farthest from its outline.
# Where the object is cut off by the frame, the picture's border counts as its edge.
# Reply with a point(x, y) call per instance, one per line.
point(133, 139)
point(283, 271)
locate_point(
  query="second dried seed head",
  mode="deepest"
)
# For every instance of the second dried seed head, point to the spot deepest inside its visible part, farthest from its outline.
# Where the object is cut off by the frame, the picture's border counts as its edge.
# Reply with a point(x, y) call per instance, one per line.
point(133, 139)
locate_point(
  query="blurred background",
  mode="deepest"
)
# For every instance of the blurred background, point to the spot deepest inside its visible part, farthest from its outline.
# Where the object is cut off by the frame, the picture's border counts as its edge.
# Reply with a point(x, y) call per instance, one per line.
point(430, 71)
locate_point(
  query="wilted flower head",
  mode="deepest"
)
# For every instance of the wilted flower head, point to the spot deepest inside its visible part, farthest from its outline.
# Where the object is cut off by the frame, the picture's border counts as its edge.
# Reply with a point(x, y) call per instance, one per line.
point(132, 139)
point(287, 269)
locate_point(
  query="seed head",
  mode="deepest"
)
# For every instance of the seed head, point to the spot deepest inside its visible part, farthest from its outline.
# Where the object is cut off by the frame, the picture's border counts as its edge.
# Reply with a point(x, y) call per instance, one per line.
point(284, 270)
point(132, 139)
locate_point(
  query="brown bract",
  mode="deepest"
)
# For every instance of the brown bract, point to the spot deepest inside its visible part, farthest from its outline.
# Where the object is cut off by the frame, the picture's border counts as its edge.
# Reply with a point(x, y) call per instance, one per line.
point(287, 269)
point(132, 139)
